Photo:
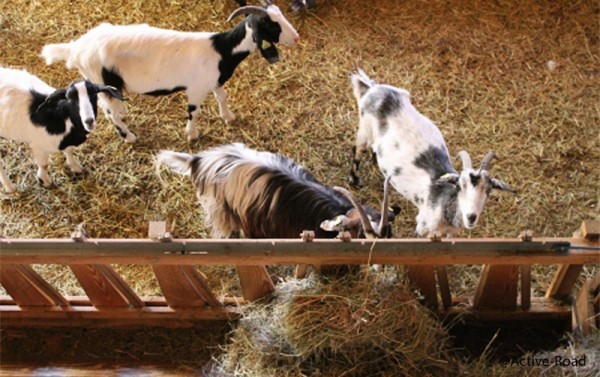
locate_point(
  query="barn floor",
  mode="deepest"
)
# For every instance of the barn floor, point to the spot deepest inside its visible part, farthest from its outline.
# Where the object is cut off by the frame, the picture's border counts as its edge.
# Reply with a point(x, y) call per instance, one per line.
point(124, 352)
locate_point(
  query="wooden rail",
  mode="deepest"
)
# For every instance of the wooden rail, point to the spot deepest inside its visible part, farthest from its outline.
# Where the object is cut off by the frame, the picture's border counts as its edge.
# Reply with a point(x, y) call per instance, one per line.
point(187, 298)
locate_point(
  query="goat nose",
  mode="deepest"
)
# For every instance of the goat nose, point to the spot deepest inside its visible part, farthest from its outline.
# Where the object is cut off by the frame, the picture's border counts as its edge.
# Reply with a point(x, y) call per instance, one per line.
point(472, 218)
point(90, 122)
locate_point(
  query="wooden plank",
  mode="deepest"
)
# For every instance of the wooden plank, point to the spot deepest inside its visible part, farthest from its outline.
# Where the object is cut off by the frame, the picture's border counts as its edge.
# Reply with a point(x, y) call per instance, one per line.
point(583, 311)
point(564, 280)
point(255, 282)
point(497, 287)
point(89, 316)
point(442, 277)
point(590, 230)
point(28, 288)
point(105, 288)
point(263, 252)
point(184, 287)
point(301, 271)
point(423, 279)
point(525, 285)
point(541, 309)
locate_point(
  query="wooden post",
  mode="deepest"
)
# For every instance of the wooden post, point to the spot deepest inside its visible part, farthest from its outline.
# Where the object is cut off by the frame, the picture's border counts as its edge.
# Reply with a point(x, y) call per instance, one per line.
point(525, 286)
point(423, 279)
point(255, 282)
point(567, 274)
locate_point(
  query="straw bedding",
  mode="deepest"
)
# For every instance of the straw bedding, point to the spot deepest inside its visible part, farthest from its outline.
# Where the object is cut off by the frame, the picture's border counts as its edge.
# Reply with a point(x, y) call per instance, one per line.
point(518, 77)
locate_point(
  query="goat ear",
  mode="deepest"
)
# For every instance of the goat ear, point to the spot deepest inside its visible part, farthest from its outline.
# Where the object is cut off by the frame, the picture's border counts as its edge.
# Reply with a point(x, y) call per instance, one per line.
point(449, 178)
point(111, 91)
point(52, 99)
point(499, 185)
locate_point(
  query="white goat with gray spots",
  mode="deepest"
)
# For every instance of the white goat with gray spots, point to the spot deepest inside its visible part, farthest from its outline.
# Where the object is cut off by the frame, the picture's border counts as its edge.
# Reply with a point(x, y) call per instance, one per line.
point(47, 119)
point(411, 149)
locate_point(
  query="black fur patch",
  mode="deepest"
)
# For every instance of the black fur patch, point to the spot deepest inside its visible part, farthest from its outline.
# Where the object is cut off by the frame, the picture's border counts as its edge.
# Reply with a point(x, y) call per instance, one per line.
point(165, 92)
point(224, 43)
point(475, 179)
point(112, 78)
point(190, 110)
point(382, 103)
point(435, 161)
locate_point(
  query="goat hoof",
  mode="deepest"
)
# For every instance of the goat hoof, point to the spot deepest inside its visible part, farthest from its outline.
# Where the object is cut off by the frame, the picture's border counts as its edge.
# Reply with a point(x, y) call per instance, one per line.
point(130, 138)
point(228, 117)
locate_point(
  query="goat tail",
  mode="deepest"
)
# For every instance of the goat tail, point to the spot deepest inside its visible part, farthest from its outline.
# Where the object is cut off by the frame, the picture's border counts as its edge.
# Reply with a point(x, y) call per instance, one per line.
point(361, 83)
point(180, 163)
point(56, 52)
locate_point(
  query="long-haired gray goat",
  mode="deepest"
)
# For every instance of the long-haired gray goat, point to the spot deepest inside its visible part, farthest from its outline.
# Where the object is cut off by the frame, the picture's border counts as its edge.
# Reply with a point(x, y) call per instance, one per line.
point(266, 195)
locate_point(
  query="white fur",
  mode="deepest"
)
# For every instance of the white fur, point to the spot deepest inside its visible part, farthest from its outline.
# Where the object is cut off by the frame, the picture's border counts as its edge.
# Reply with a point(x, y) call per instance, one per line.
point(149, 59)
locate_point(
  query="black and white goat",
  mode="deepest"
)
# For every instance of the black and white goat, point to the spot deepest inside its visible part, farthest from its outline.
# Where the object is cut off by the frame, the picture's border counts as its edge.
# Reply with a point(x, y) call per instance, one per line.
point(265, 195)
point(411, 150)
point(295, 5)
point(153, 61)
point(47, 119)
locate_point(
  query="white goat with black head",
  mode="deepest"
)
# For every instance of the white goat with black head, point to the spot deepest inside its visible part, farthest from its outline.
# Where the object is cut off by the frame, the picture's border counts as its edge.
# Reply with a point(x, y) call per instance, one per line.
point(265, 195)
point(411, 150)
point(153, 61)
point(48, 119)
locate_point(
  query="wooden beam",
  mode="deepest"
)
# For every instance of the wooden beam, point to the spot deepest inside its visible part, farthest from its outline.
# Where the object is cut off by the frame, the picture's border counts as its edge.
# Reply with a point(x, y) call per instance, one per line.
point(564, 280)
point(184, 287)
point(442, 278)
point(28, 288)
point(497, 287)
point(88, 316)
point(282, 251)
point(583, 311)
point(541, 309)
point(105, 288)
point(255, 282)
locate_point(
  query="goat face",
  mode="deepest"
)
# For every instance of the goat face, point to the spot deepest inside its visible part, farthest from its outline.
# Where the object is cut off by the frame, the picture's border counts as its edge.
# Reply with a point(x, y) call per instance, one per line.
point(276, 28)
point(80, 99)
point(268, 24)
point(473, 188)
point(364, 221)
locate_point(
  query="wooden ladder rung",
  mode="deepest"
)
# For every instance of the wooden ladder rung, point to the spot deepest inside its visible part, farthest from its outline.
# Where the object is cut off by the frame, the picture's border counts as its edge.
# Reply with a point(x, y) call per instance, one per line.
point(497, 287)
point(184, 287)
point(255, 282)
point(104, 287)
point(28, 288)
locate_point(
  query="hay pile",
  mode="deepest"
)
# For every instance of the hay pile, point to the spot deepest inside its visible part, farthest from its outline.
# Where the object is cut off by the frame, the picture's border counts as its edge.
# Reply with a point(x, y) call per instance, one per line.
point(354, 326)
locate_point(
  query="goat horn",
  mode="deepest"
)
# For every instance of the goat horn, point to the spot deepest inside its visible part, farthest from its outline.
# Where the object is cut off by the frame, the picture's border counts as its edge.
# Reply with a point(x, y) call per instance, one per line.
point(486, 160)
point(364, 219)
point(466, 160)
point(385, 211)
point(247, 10)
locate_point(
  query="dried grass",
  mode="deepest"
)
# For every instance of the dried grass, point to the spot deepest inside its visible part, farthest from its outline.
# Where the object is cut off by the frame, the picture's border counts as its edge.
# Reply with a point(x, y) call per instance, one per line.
point(369, 325)
point(478, 69)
